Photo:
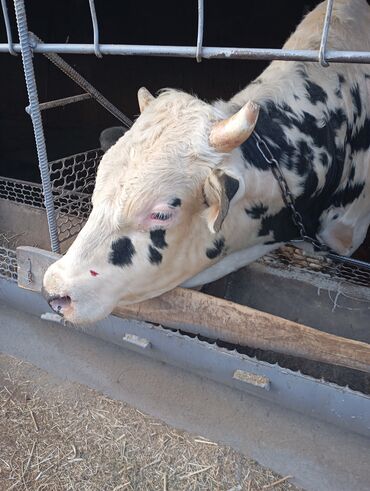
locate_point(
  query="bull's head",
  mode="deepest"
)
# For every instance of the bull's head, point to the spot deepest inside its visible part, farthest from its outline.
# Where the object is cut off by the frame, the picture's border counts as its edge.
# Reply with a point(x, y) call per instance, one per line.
point(160, 207)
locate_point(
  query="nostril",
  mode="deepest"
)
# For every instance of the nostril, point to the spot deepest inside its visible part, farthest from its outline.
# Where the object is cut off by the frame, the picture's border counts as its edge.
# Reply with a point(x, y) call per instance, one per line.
point(58, 304)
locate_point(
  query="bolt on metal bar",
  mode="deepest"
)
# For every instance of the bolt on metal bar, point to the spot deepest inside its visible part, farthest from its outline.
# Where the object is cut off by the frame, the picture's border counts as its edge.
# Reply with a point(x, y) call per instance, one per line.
point(325, 32)
point(335, 56)
point(20, 13)
point(94, 20)
point(198, 55)
point(61, 102)
point(83, 83)
point(8, 28)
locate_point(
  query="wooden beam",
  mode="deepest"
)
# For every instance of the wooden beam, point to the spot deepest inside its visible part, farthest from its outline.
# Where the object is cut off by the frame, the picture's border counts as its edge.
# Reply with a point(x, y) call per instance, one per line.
point(217, 318)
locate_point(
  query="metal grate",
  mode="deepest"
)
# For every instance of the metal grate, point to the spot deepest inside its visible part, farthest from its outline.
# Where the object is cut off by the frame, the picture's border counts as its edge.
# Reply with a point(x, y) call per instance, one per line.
point(289, 257)
point(72, 183)
point(22, 192)
point(8, 264)
point(76, 173)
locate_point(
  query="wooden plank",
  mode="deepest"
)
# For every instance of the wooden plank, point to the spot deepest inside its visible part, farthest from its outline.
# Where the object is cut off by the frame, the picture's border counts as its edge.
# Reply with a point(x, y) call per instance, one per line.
point(217, 318)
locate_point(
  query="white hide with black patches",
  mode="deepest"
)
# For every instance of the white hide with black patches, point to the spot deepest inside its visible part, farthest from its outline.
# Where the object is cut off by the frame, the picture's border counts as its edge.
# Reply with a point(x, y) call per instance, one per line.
point(168, 206)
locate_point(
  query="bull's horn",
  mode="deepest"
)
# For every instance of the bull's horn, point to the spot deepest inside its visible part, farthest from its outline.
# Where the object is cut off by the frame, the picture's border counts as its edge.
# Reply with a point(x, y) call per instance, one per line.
point(232, 132)
point(144, 98)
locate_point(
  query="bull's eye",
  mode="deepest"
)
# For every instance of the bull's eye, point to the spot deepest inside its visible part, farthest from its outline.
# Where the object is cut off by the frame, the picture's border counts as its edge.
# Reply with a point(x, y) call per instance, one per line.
point(160, 216)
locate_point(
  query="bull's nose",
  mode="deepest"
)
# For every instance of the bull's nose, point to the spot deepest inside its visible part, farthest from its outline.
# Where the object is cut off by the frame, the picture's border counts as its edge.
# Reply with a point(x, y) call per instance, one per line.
point(57, 302)
point(60, 304)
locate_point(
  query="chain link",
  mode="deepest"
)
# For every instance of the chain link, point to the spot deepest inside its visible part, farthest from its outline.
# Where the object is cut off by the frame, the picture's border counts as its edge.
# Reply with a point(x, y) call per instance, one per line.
point(287, 195)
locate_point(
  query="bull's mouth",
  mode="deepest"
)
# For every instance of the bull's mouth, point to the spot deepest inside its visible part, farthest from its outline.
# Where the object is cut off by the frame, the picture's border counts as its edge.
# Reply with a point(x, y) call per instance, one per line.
point(60, 303)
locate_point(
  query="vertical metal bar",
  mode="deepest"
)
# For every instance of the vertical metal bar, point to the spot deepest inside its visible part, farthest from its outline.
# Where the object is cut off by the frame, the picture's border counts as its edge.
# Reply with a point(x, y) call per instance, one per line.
point(325, 33)
point(95, 28)
point(84, 84)
point(8, 28)
point(198, 55)
point(29, 73)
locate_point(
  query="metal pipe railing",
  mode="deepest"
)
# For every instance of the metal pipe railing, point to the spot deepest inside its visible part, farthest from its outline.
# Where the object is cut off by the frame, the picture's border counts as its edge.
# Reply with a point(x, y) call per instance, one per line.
point(94, 20)
point(325, 32)
point(83, 83)
point(8, 28)
point(198, 54)
point(35, 114)
point(335, 56)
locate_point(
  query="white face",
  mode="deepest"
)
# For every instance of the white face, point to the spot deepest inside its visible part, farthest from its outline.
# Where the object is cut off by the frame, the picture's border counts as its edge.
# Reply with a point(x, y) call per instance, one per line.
point(131, 264)
point(146, 233)
point(158, 206)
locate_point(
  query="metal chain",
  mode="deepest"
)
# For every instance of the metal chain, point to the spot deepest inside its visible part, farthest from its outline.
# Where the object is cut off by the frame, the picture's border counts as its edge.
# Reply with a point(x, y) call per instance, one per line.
point(287, 195)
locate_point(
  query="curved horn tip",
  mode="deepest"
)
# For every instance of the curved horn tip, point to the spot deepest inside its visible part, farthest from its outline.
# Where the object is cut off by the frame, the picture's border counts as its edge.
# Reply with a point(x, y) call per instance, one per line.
point(233, 131)
point(144, 98)
point(251, 110)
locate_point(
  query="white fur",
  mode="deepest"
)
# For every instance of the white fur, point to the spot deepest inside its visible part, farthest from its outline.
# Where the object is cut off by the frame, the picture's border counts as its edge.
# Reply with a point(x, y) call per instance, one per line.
point(229, 264)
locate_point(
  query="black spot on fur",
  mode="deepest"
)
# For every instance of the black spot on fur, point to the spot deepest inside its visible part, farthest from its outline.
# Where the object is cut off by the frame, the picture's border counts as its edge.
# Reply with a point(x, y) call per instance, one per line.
point(304, 158)
point(231, 186)
point(360, 140)
point(158, 237)
point(122, 252)
point(337, 118)
point(315, 92)
point(356, 99)
point(175, 202)
point(347, 195)
point(256, 211)
point(280, 225)
point(155, 257)
point(218, 246)
point(338, 93)
point(324, 159)
point(338, 90)
point(352, 172)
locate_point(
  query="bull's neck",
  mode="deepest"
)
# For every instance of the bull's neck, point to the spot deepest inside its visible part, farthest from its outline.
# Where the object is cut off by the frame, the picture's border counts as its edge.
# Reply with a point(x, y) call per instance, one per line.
point(264, 196)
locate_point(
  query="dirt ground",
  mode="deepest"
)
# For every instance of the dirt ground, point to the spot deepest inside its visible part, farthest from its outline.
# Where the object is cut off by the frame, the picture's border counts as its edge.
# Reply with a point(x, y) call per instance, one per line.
point(58, 435)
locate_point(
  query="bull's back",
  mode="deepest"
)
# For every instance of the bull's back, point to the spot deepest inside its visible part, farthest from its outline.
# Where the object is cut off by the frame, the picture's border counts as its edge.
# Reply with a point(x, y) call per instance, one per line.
point(349, 27)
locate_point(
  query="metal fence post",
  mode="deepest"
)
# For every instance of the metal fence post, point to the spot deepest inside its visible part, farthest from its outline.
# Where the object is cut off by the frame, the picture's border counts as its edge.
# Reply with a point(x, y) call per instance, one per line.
point(8, 28)
point(35, 114)
point(198, 55)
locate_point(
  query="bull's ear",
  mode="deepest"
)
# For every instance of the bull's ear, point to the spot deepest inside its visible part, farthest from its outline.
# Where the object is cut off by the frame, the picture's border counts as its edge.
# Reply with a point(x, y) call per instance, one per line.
point(144, 98)
point(219, 189)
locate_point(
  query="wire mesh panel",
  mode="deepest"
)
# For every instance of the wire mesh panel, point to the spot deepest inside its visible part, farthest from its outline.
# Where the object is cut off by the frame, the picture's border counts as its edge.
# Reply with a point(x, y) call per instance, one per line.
point(22, 192)
point(76, 173)
point(72, 182)
point(289, 257)
point(8, 264)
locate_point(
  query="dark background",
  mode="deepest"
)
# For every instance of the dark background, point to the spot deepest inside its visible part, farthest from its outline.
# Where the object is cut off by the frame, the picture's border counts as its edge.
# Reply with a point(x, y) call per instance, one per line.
point(75, 128)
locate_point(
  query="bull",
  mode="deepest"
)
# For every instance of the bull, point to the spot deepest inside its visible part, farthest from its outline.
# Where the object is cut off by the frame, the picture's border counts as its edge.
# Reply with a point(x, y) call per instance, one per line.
point(186, 196)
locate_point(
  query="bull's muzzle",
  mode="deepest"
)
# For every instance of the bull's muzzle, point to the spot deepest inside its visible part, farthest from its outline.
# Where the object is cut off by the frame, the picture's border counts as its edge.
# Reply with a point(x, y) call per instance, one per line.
point(57, 302)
